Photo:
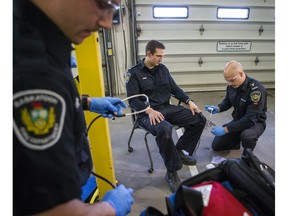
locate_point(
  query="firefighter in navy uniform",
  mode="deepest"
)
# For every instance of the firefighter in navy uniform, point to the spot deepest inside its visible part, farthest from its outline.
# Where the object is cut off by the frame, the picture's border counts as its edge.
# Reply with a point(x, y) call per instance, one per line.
point(152, 78)
point(51, 154)
point(248, 97)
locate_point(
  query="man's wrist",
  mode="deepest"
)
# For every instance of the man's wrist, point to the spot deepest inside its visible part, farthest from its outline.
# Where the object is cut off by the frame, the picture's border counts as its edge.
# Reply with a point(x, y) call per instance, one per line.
point(85, 101)
point(148, 111)
point(188, 100)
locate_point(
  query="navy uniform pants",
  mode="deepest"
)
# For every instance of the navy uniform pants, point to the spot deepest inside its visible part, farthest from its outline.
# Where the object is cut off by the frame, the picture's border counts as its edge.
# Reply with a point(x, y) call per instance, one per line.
point(182, 117)
point(230, 141)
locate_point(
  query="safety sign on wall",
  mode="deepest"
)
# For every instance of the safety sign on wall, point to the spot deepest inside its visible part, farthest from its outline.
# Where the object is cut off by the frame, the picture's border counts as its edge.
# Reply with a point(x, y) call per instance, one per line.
point(233, 46)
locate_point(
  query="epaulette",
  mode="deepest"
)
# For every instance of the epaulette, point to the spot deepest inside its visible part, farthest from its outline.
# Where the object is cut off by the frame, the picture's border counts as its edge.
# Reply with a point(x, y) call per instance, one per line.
point(135, 66)
point(253, 86)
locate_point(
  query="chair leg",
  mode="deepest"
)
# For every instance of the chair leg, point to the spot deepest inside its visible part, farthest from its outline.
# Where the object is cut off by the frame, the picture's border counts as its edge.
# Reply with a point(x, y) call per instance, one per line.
point(151, 169)
point(130, 149)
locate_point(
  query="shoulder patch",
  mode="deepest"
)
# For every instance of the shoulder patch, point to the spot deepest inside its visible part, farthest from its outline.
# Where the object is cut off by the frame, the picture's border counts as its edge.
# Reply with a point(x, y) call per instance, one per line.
point(127, 77)
point(38, 118)
point(255, 96)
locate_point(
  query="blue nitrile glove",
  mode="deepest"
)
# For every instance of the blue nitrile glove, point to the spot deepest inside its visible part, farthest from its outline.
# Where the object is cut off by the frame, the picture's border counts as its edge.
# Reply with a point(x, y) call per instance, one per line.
point(212, 109)
point(218, 131)
point(120, 199)
point(106, 104)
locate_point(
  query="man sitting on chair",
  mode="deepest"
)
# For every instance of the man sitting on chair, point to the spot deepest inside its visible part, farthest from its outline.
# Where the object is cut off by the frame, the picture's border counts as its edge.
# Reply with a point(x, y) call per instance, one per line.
point(153, 78)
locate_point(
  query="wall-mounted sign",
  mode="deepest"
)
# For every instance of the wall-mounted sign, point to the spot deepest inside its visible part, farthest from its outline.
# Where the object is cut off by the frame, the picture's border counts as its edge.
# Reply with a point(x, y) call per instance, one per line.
point(233, 46)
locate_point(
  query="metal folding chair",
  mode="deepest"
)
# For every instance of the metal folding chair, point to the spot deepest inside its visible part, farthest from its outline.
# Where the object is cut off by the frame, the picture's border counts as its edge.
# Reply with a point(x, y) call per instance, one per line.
point(136, 125)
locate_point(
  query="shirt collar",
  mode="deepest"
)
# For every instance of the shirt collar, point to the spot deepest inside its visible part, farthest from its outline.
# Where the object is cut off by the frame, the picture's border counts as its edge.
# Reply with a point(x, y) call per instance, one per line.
point(244, 85)
point(142, 63)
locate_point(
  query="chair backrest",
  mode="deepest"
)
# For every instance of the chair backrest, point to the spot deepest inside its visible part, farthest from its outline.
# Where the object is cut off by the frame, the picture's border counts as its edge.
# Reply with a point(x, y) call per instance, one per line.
point(135, 123)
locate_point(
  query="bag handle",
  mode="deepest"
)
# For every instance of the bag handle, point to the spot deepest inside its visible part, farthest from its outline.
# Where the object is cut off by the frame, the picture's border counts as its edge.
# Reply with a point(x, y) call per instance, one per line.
point(259, 167)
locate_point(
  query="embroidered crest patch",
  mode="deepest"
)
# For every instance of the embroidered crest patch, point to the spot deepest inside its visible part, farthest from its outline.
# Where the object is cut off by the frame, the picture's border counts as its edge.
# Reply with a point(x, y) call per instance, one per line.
point(127, 78)
point(38, 118)
point(255, 96)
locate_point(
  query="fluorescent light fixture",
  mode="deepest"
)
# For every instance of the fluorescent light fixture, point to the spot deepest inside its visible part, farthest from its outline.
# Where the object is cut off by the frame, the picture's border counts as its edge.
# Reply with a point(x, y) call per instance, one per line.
point(170, 12)
point(233, 13)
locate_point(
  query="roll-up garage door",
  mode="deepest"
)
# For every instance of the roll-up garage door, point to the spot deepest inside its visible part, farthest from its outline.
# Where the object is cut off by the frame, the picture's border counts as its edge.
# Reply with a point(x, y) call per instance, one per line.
point(199, 45)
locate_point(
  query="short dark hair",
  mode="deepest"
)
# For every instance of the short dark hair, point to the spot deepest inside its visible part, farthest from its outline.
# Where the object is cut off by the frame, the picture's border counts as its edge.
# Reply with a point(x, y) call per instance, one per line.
point(152, 45)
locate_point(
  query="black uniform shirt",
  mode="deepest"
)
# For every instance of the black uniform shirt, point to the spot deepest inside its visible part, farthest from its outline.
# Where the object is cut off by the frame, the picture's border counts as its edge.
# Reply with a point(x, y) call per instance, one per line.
point(48, 125)
point(157, 83)
point(249, 102)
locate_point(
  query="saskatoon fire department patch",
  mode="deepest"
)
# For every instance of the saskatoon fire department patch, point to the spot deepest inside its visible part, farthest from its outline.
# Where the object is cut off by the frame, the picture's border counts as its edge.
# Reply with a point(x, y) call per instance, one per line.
point(38, 118)
point(255, 96)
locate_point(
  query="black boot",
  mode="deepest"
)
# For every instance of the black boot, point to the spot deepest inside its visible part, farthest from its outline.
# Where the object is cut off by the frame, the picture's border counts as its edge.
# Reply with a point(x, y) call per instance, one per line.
point(189, 160)
point(172, 180)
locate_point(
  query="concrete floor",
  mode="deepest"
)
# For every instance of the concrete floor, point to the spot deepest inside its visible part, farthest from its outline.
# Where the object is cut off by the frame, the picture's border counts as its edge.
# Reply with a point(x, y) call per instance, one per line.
point(151, 189)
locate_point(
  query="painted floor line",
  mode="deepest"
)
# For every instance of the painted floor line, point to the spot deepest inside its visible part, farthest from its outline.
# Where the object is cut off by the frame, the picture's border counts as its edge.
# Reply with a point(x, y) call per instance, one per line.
point(193, 169)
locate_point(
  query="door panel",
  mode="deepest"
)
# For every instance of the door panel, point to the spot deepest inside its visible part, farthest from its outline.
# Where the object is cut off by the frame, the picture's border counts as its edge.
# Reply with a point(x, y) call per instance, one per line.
point(194, 50)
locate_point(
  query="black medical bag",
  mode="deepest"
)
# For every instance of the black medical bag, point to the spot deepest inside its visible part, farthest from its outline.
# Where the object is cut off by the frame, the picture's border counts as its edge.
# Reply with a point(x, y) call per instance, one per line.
point(252, 181)
point(249, 180)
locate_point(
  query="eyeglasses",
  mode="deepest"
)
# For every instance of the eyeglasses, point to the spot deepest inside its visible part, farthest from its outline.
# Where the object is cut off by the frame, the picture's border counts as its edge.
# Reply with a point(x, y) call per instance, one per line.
point(233, 79)
point(107, 5)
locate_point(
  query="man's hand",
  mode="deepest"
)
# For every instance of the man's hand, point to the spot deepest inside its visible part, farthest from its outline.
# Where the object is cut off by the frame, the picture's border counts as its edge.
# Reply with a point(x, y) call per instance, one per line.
point(212, 109)
point(106, 104)
point(219, 131)
point(154, 116)
point(193, 107)
point(120, 199)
